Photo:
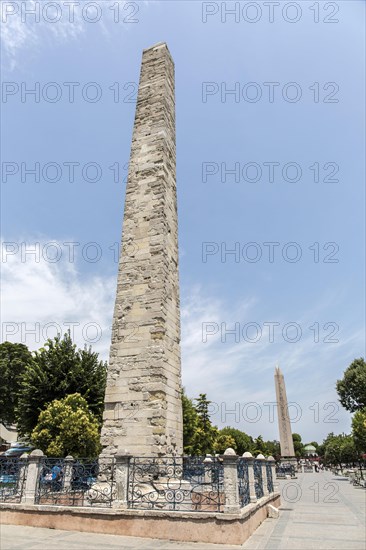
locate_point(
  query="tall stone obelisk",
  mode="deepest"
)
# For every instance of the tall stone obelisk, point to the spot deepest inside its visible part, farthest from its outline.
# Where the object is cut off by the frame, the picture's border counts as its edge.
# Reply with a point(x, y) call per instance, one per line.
point(284, 424)
point(143, 410)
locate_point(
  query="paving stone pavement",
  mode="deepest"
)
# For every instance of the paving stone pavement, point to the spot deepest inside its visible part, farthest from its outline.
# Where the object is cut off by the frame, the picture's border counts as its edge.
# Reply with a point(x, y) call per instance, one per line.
point(15, 537)
point(319, 511)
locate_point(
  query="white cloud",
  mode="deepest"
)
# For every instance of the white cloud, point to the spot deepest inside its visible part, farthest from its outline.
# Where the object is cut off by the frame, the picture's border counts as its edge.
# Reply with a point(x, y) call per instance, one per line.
point(238, 376)
point(41, 297)
point(232, 374)
point(23, 32)
point(28, 26)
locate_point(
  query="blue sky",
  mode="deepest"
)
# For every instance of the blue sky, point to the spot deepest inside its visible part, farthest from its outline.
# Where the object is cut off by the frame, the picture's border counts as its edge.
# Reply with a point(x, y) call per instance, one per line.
point(324, 289)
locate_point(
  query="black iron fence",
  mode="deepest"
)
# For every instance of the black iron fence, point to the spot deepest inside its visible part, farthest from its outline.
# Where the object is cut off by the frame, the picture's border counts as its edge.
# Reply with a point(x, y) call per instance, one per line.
point(176, 483)
point(258, 478)
point(82, 482)
point(283, 470)
point(12, 478)
point(243, 482)
point(270, 486)
point(173, 483)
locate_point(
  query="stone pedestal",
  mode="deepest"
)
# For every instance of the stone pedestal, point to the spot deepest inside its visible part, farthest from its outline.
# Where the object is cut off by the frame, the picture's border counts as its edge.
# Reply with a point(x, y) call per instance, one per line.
point(121, 472)
point(30, 487)
point(250, 460)
point(69, 460)
point(231, 490)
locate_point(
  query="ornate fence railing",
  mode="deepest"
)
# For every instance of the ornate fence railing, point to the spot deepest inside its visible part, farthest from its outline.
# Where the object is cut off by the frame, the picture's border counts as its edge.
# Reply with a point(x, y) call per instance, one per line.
point(243, 482)
point(258, 478)
point(172, 483)
point(13, 473)
point(81, 482)
point(176, 483)
point(270, 485)
point(282, 470)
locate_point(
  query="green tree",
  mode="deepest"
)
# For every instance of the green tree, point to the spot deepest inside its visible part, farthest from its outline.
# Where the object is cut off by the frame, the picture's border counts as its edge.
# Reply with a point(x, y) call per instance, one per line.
point(298, 445)
point(223, 442)
point(352, 388)
point(323, 446)
point(259, 446)
point(339, 449)
point(67, 427)
point(273, 449)
point(206, 432)
point(333, 450)
point(202, 408)
point(359, 430)
point(59, 369)
point(349, 451)
point(190, 425)
point(243, 442)
point(14, 359)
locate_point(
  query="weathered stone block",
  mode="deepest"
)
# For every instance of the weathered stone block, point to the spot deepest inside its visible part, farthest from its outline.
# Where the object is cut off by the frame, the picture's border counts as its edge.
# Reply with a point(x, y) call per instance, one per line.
point(144, 366)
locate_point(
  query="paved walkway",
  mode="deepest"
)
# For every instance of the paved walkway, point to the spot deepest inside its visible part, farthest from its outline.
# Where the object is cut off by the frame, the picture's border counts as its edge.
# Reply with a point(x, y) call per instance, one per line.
point(319, 511)
point(15, 537)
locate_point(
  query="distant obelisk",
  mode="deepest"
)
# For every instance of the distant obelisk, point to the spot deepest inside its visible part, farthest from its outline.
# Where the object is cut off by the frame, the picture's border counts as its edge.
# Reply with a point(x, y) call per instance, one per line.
point(284, 424)
point(143, 409)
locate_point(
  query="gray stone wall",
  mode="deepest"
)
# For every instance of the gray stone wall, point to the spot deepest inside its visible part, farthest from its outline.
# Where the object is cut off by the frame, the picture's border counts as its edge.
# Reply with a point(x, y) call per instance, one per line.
point(143, 412)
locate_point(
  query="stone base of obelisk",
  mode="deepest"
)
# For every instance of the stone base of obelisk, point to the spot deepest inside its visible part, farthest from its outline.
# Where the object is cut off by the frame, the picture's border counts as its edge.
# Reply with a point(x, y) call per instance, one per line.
point(292, 461)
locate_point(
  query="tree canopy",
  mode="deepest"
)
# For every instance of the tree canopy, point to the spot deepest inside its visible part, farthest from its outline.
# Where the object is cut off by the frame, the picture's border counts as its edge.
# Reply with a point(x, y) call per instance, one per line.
point(298, 445)
point(352, 387)
point(67, 427)
point(339, 449)
point(243, 442)
point(14, 359)
point(201, 437)
point(57, 370)
point(359, 430)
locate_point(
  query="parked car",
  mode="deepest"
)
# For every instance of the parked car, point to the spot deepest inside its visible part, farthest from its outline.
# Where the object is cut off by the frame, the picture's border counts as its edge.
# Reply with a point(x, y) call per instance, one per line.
point(15, 452)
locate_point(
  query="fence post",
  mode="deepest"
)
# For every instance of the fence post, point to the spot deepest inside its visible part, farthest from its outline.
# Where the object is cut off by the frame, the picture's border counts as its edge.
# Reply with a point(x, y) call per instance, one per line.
point(68, 462)
point(121, 473)
point(272, 463)
point(249, 458)
point(264, 474)
point(208, 471)
point(231, 489)
point(34, 466)
point(22, 474)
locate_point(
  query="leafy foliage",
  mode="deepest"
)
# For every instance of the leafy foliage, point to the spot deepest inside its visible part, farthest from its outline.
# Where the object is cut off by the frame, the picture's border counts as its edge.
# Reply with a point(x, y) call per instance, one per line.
point(201, 437)
point(339, 449)
point(57, 370)
point(259, 446)
point(359, 430)
point(352, 388)
point(190, 425)
point(206, 433)
point(273, 449)
point(223, 442)
point(14, 359)
point(67, 427)
point(243, 442)
point(298, 445)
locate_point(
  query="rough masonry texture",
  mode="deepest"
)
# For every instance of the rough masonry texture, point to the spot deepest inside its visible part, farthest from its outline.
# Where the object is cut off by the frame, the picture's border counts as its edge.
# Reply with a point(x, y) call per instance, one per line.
point(143, 410)
point(284, 424)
